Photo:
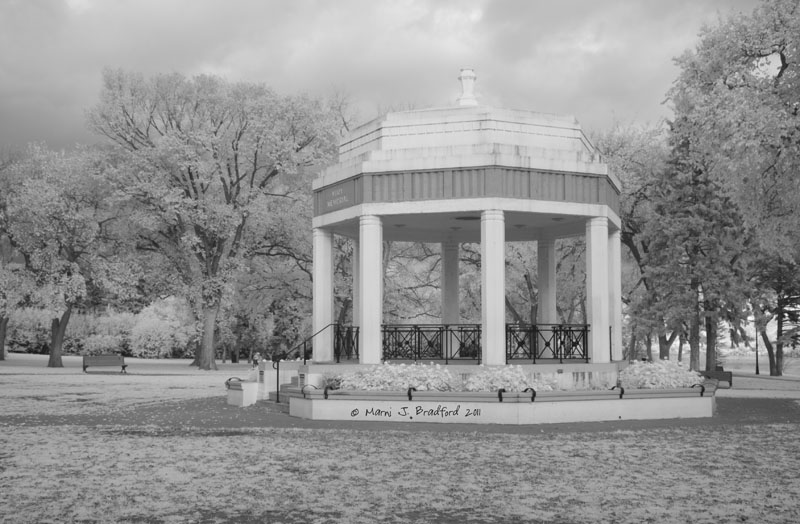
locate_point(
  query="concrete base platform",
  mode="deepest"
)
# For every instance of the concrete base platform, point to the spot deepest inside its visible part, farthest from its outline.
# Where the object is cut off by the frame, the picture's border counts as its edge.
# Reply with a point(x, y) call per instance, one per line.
point(513, 409)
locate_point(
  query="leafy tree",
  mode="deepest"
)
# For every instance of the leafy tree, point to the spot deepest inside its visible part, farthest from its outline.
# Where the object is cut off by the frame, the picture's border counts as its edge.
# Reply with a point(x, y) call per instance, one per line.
point(208, 160)
point(740, 89)
point(737, 96)
point(412, 286)
point(571, 280)
point(522, 291)
point(59, 216)
point(778, 298)
point(696, 249)
point(6, 254)
point(638, 156)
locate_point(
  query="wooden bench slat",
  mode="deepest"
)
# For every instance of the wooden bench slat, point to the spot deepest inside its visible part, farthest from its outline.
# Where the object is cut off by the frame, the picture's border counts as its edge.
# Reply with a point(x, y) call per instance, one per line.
point(104, 360)
point(727, 376)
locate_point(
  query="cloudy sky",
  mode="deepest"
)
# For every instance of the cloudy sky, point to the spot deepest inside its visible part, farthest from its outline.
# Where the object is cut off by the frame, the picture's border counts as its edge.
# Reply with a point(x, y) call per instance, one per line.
point(600, 60)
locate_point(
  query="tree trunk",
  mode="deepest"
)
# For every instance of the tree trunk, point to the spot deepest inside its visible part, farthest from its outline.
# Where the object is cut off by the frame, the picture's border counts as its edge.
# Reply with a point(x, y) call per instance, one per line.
point(779, 343)
point(3, 331)
point(205, 357)
point(514, 313)
point(694, 342)
point(649, 346)
point(733, 333)
point(632, 346)
point(57, 329)
point(681, 342)
point(344, 311)
point(665, 344)
point(711, 342)
point(770, 352)
point(533, 299)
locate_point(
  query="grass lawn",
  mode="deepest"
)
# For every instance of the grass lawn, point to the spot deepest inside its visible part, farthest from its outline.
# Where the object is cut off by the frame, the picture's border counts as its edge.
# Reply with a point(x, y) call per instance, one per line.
point(105, 447)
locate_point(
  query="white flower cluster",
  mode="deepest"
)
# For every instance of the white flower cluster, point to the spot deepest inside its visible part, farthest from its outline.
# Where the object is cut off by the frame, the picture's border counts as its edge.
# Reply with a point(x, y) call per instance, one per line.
point(390, 377)
point(435, 377)
point(658, 374)
point(510, 378)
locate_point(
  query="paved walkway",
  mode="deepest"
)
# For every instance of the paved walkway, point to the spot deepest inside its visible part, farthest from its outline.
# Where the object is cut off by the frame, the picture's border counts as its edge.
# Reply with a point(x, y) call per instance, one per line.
point(750, 385)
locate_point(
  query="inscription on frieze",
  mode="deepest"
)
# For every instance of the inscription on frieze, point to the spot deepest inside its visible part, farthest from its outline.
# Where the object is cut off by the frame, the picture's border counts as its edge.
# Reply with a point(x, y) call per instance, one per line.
point(337, 197)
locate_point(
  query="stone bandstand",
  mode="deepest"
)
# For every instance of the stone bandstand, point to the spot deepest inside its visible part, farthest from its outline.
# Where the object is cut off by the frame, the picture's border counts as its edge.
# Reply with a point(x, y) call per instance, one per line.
point(468, 174)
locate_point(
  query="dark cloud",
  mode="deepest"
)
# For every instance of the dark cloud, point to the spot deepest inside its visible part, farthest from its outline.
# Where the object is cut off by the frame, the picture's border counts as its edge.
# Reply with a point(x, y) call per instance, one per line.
point(596, 59)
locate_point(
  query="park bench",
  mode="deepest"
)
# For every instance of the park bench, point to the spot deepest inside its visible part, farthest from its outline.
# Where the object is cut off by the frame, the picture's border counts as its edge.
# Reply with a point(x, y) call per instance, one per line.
point(719, 374)
point(104, 360)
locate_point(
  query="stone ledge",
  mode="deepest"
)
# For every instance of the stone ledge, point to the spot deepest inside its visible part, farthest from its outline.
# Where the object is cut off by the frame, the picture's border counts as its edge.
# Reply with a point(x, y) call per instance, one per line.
point(517, 408)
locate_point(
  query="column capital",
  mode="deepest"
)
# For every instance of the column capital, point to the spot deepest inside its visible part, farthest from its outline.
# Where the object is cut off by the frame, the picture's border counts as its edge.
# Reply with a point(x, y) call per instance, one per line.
point(450, 245)
point(492, 214)
point(546, 242)
point(369, 220)
point(321, 232)
point(597, 222)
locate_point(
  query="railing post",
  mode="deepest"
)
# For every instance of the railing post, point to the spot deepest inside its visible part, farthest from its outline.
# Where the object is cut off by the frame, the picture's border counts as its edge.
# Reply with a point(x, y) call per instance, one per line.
point(277, 366)
point(415, 349)
point(356, 332)
point(508, 335)
point(586, 342)
point(337, 344)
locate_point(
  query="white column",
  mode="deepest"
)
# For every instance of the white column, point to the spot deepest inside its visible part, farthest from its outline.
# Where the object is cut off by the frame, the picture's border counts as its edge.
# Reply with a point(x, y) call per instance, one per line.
point(493, 287)
point(615, 292)
point(323, 295)
point(356, 261)
point(597, 307)
point(546, 280)
point(450, 306)
point(370, 289)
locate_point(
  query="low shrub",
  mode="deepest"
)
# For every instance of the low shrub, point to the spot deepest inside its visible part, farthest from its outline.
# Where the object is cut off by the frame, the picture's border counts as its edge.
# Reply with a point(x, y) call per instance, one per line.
point(163, 329)
point(658, 374)
point(28, 331)
point(103, 344)
point(510, 378)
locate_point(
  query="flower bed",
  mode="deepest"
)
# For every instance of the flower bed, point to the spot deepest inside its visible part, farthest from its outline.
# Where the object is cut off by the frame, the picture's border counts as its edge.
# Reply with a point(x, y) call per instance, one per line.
point(660, 374)
point(502, 394)
point(435, 377)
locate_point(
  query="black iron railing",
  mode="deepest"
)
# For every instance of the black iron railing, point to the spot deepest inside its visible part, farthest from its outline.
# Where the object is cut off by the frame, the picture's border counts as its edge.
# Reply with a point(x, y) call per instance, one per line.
point(345, 343)
point(431, 342)
point(448, 342)
point(547, 341)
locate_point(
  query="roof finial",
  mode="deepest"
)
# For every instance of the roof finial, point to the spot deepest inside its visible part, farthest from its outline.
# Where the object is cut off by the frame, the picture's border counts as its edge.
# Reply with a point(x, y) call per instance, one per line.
point(467, 78)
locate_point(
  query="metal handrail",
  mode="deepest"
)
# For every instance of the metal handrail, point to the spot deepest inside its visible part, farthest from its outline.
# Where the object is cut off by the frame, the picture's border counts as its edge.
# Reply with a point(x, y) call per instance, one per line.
point(305, 341)
point(276, 365)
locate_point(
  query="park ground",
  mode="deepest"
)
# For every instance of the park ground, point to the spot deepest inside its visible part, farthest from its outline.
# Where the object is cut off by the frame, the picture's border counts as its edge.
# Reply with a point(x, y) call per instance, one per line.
point(160, 444)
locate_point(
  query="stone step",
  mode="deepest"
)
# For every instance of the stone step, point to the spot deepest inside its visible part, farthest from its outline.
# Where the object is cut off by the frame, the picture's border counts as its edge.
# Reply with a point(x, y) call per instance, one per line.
point(282, 406)
point(287, 390)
